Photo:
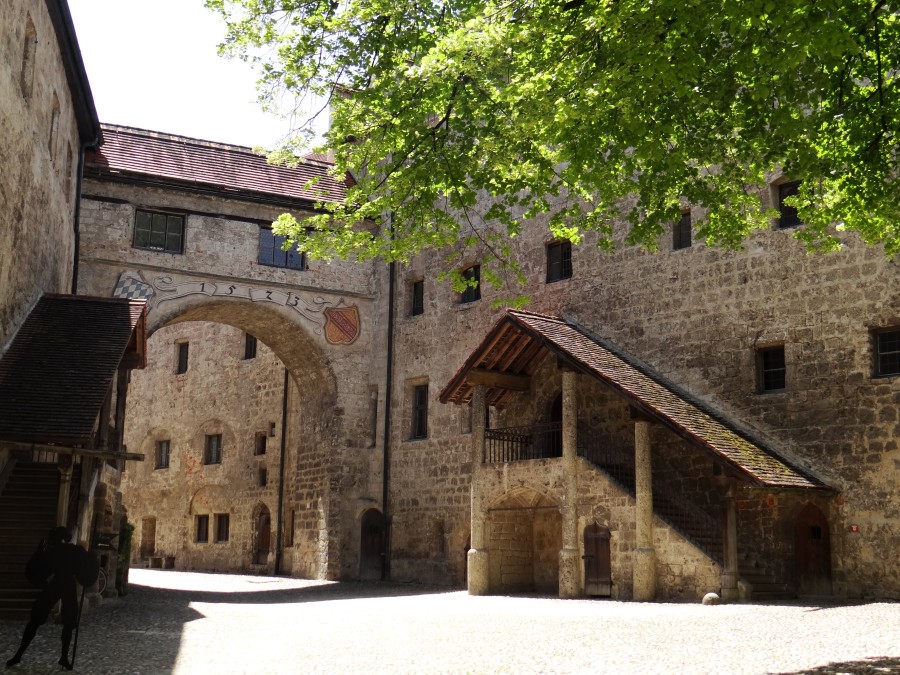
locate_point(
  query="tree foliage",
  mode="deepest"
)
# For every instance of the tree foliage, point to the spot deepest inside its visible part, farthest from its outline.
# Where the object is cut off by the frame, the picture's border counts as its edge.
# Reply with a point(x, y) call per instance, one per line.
point(465, 119)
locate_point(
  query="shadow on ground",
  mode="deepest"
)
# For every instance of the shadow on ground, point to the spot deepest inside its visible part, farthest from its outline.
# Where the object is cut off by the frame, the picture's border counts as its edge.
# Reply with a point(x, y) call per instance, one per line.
point(880, 664)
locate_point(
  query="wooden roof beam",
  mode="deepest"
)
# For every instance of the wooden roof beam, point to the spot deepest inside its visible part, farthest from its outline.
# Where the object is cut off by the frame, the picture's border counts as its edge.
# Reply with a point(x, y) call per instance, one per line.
point(498, 380)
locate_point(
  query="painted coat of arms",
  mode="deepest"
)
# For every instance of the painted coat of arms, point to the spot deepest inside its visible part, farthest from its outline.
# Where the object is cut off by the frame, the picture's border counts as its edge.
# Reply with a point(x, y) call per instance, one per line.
point(342, 324)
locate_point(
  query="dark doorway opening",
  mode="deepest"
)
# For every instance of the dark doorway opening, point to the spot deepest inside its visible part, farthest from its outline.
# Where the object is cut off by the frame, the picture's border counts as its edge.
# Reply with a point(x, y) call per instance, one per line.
point(597, 567)
point(263, 536)
point(148, 537)
point(812, 551)
point(372, 545)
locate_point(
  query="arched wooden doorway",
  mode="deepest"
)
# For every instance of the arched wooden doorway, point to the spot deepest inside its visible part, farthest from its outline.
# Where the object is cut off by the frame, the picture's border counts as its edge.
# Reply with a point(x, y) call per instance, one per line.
point(597, 567)
point(812, 552)
point(372, 547)
point(263, 527)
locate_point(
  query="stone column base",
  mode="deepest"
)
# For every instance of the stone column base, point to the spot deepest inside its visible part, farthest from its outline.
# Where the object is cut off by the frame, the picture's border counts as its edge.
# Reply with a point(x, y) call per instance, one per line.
point(478, 571)
point(644, 575)
point(730, 590)
point(568, 573)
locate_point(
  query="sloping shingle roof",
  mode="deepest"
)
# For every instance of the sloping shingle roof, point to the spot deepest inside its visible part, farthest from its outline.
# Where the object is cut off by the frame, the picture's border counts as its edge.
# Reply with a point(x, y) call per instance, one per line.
point(520, 340)
point(56, 373)
point(189, 163)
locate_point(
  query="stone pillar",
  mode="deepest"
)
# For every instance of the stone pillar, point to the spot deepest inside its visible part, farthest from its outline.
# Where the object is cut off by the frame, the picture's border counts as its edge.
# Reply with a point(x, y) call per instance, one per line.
point(644, 574)
point(478, 559)
point(730, 589)
point(568, 555)
point(64, 464)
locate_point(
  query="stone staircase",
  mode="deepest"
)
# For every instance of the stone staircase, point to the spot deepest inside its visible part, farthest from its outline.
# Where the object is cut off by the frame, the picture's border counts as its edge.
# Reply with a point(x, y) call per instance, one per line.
point(27, 513)
point(694, 524)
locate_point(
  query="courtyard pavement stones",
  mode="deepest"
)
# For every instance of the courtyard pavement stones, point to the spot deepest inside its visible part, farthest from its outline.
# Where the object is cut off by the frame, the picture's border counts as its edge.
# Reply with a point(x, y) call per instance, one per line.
point(187, 623)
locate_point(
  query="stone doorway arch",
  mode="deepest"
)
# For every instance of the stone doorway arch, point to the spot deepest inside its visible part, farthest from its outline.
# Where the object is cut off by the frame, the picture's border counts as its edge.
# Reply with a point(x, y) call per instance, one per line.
point(262, 534)
point(812, 551)
point(524, 537)
point(372, 545)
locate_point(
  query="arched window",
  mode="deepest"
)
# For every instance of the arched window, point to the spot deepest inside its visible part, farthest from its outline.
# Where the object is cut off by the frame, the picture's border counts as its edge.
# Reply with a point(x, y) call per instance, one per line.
point(26, 75)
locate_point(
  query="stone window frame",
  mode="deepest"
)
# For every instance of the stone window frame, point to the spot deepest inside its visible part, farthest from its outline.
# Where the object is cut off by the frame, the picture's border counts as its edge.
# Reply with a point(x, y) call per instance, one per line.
point(417, 296)
point(251, 347)
point(29, 52)
point(769, 372)
point(212, 449)
point(262, 477)
point(472, 293)
point(201, 528)
point(270, 254)
point(260, 442)
point(559, 261)
point(781, 189)
point(177, 220)
point(221, 528)
point(879, 342)
point(418, 408)
point(182, 356)
point(682, 231)
point(163, 457)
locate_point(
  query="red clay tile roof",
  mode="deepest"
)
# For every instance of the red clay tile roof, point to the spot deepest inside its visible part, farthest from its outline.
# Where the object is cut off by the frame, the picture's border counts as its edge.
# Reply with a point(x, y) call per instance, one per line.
point(520, 340)
point(188, 163)
point(56, 373)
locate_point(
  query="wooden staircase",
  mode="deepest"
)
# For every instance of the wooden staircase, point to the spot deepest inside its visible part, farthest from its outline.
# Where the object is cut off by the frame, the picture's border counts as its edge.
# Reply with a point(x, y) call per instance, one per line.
point(27, 513)
point(694, 524)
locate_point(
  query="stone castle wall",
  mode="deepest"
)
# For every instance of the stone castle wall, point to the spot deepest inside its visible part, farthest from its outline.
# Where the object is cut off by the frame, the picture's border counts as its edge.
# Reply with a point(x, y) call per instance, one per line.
point(697, 317)
point(40, 143)
point(332, 471)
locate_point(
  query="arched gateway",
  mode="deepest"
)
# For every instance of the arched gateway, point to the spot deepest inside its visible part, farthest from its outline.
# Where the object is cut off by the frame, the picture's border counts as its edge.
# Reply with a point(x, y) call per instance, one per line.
point(273, 347)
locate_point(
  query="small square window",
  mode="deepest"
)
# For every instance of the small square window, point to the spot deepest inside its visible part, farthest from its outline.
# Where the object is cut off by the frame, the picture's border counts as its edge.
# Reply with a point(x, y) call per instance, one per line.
point(249, 347)
point(789, 217)
point(212, 453)
point(559, 261)
point(420, 411)
point(202, 529)
point(472, 277)
point(271, 254)
point(162, 454)
point(417, 293)
point(182, 357)
point(887, 352)
point(771, 369)
point(681, 232)
point(259, 444)
point(222, 522)
point(158, 231)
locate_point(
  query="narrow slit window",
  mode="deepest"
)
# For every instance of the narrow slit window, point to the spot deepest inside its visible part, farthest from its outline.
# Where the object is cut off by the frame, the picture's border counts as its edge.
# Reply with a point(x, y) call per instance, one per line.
point(183, 349)
point(472, 293)
point(418, 298)
point(681, 233)
point(420, 411)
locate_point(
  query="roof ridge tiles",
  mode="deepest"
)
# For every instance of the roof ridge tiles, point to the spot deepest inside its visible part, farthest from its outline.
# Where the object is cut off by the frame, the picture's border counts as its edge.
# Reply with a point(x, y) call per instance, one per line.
point(202, 142)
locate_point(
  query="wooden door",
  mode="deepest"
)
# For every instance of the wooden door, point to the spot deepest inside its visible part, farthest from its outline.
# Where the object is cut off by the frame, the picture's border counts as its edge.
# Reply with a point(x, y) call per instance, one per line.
point(148, 537)
point(597, 567)
point(812, 551)
point(263, 537)
point(372, 547)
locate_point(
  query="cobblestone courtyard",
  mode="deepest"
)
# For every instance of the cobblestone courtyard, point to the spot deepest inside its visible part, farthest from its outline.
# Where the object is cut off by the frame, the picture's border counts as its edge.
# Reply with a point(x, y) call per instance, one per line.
point(176, 622)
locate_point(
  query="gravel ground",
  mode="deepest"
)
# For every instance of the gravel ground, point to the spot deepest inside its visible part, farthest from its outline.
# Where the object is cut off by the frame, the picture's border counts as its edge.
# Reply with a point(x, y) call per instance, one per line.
point(179, 622)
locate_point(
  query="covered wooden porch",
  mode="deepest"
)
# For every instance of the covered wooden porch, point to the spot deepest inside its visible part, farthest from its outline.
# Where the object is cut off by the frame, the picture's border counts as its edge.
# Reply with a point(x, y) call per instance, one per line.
point(504, 366)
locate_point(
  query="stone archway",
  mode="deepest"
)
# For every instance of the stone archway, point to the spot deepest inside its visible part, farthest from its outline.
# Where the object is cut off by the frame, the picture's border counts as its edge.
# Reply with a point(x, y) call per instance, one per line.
point(300, 352)
point(524, 537)
point(262, 534)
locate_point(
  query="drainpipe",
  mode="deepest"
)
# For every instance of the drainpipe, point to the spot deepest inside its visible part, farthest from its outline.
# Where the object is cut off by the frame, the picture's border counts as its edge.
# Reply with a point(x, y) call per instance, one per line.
point(279, 512)
point(388, 396)
point(76, 216)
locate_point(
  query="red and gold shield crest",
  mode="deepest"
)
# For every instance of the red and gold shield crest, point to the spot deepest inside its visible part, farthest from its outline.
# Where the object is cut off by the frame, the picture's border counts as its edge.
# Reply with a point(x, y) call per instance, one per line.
point(342, 325)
